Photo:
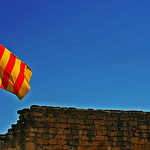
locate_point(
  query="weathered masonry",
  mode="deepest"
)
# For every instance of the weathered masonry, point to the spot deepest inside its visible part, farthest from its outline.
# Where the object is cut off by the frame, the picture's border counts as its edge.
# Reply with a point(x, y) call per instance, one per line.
point(55, 128)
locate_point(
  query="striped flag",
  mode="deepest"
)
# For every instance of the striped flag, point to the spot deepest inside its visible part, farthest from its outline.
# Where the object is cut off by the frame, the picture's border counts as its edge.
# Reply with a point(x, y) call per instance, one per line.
point(14, 74)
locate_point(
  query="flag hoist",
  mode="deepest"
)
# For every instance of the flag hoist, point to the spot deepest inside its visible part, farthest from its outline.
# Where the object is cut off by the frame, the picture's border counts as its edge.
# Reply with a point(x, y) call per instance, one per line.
point(14, 74)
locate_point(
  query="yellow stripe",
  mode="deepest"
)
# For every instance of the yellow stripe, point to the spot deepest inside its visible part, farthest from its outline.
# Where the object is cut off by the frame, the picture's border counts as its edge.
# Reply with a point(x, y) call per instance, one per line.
point(28, 73)
point(24, 89)
point(15, 72)
point(10, 88)
point(0, 82)
point(5, 58)
point(1, 77)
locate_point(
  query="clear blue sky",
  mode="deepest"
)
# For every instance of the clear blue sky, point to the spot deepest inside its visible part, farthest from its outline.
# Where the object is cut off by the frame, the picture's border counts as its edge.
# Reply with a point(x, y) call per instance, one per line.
point(83, 53)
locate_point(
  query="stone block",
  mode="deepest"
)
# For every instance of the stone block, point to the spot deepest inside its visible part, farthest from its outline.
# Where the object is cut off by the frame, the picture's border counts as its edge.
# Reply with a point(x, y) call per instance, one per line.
point(29, 146)
point(57, 147)
point(99, 138)
point(53, 141)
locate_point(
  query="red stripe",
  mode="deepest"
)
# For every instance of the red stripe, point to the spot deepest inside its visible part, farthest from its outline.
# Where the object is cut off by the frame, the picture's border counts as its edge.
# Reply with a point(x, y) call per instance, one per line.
point(8, 70)
point(20, 79)
point(2, 49)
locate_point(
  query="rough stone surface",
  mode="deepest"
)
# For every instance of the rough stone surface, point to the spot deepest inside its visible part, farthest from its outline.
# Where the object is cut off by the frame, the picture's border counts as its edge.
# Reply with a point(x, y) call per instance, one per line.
point(55, 128)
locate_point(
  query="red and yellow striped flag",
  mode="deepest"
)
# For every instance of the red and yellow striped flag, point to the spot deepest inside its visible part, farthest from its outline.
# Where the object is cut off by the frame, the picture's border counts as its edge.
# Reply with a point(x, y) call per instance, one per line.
point(14, 74)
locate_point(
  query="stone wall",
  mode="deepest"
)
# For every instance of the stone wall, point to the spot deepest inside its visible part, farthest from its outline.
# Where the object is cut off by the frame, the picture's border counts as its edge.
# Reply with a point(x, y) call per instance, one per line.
point(55, 128)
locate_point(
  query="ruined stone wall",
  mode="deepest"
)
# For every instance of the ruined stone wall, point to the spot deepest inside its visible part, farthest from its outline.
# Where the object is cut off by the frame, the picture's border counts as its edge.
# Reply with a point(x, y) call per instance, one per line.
point(54, 128)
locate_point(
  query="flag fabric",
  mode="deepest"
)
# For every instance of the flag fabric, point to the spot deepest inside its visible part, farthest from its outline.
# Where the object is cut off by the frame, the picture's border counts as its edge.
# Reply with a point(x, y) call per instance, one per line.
point(14, 74)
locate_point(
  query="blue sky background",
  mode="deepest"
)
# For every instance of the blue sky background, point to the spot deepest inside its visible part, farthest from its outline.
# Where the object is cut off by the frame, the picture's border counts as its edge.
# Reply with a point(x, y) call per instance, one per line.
point(83, 53)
